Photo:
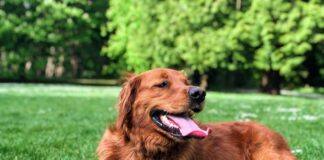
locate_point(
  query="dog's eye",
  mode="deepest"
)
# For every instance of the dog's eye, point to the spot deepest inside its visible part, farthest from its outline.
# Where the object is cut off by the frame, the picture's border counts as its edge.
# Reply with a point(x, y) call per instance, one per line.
point(163, 84)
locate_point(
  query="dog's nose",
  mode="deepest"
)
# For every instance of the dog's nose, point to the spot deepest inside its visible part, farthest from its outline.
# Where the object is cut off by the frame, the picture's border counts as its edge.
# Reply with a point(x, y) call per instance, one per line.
point(197, 94)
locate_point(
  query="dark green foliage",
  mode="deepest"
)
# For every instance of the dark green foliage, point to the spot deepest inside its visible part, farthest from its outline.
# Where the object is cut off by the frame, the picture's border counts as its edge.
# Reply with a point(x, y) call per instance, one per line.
point(48, 38)
point(262, 38)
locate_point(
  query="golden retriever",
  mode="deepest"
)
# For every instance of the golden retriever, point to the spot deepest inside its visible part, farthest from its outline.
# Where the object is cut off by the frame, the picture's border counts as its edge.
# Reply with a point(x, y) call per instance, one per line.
point(155, 121)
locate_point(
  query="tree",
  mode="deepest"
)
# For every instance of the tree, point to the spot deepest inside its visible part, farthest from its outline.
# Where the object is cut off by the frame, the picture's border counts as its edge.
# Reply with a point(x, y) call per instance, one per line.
point(269, 36)
point(179, 34)
point(283, 31)
point(51, 38)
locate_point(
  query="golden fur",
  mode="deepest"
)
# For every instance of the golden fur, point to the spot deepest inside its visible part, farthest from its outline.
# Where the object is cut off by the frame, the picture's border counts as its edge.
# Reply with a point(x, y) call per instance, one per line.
point(136, 137)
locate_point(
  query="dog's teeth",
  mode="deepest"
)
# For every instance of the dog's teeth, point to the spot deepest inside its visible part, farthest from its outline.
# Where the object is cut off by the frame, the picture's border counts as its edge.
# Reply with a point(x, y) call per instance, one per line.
point(166, 121)
point(174, 126)
point(164, 118)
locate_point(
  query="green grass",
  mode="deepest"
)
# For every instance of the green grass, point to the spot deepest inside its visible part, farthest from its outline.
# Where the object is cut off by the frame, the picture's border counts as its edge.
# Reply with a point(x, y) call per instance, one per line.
point(66, 121)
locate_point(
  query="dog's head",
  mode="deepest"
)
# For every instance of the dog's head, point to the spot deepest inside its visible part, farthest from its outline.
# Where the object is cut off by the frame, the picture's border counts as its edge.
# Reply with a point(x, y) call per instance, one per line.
point(161, 102)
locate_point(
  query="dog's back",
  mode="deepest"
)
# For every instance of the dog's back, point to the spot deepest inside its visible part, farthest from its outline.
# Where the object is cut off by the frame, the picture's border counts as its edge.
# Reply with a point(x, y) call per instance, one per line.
point(242, 141)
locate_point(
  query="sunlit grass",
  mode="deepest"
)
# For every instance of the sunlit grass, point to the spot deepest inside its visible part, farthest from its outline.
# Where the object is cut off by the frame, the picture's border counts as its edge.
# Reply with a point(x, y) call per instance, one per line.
point(66, 121)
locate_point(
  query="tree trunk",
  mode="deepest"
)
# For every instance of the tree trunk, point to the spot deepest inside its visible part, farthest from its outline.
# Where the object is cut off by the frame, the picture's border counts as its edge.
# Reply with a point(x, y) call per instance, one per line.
point(204, 81)
point(238, 4)
point(74, 65)
point(200, 80)
point(270, 82)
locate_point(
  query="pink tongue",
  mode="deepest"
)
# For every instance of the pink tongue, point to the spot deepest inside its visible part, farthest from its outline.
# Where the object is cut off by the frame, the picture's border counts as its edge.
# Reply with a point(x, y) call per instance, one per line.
point(188, 127)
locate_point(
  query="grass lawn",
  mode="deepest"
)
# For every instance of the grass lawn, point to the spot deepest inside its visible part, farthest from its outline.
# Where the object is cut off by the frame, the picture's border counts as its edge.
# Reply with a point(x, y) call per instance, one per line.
point(66, 121)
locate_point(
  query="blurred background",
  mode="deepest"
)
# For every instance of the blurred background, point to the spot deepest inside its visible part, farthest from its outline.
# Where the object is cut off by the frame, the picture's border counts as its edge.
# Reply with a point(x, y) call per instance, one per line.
point(235, 46)
point(221, 44)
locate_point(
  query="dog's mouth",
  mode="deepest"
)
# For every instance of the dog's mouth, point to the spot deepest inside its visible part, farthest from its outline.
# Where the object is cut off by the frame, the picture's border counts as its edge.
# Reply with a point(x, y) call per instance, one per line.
point(179, 125)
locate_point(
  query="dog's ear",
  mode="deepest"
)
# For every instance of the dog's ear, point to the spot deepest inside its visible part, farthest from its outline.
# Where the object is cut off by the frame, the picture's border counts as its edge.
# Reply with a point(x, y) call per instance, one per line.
point(126, 76)
point(183, 72)
point(126, 100)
